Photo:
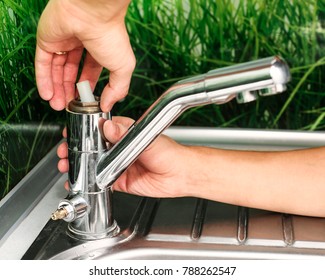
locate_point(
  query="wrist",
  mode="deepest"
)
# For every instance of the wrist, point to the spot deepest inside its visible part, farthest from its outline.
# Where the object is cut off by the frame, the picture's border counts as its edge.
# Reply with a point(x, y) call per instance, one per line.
point(105, 10)
point(199, 166)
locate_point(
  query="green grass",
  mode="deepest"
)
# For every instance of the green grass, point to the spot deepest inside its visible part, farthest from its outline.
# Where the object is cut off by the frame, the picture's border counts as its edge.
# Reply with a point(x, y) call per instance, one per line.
point(24, 136)
point(173, 40)
point(19, 98)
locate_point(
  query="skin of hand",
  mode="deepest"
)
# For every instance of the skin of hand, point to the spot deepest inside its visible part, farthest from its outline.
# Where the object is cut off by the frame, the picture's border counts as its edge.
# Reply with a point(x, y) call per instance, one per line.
point(285, 181)
point(69, 26)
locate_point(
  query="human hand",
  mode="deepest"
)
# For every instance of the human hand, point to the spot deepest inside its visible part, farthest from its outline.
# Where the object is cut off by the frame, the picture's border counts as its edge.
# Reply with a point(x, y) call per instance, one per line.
point(160, 171)
point(69, 26)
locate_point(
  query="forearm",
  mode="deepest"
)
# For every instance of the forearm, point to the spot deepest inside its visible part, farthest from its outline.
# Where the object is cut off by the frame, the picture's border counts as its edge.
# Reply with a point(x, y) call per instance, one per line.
point(291, 181)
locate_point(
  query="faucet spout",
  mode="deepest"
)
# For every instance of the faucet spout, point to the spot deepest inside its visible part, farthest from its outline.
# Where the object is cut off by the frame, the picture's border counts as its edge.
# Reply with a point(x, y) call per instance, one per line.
point(244, 81)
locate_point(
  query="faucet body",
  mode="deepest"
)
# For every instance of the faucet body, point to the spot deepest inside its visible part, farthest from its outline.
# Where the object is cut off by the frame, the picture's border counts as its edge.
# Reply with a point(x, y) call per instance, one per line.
point(89, 208)
point(94, 168)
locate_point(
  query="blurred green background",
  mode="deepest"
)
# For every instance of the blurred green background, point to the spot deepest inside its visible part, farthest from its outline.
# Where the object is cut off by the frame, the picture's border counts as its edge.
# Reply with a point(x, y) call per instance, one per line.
point(171, 40)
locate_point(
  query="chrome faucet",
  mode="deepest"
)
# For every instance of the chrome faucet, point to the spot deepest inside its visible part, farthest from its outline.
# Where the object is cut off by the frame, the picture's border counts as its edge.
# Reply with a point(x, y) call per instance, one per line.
point(90, 206)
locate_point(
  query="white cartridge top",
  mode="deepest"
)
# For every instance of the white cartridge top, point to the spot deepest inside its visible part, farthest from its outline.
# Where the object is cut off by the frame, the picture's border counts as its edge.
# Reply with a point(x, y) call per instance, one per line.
point(85, 92)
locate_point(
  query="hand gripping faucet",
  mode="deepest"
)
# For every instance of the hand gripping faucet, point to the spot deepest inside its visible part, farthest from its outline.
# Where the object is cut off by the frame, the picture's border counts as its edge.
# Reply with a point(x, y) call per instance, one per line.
point(94, 168)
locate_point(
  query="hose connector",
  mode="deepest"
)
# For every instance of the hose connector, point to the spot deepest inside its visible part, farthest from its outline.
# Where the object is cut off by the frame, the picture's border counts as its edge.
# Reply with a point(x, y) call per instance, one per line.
point(70, 209)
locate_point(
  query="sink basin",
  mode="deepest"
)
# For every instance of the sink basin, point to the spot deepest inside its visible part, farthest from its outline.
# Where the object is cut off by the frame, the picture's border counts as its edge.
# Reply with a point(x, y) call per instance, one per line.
point(189, 228)
point(192, 228)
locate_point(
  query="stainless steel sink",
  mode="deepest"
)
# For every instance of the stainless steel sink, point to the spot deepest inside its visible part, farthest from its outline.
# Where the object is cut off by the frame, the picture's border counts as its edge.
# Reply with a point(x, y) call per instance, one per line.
point(191, 228)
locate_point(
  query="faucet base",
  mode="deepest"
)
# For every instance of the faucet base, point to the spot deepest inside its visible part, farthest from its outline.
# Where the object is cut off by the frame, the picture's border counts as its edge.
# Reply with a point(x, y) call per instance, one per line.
point(112, 231)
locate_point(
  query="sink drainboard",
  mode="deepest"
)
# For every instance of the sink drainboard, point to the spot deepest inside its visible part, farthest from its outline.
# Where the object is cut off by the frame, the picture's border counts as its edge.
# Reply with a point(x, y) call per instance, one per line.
point(190, 228)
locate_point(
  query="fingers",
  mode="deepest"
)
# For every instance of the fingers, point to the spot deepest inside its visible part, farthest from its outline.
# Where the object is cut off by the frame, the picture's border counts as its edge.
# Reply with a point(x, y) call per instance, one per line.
point(63, 165)
point(58, 102)
point(124, 121)
point(120, 61)
point(43, 69)
point(62, 152)
point(115, 90)
point(56, 76)
point(64, 132)
point(119, 83)
point(70, 73)
point(66, 186)
point(91, 71)
point(115, 129)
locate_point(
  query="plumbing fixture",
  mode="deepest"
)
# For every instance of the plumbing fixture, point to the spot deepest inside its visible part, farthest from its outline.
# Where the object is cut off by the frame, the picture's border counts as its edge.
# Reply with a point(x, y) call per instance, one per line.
point(244, 81)
point(94, 168)
point(88, 208)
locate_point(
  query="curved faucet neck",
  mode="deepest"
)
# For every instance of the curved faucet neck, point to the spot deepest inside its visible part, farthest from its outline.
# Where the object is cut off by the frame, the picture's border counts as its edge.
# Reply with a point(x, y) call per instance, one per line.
point(244, 81)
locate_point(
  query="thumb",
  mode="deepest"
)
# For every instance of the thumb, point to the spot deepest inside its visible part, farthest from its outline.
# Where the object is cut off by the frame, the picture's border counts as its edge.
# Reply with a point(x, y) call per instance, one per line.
point(116, 128)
